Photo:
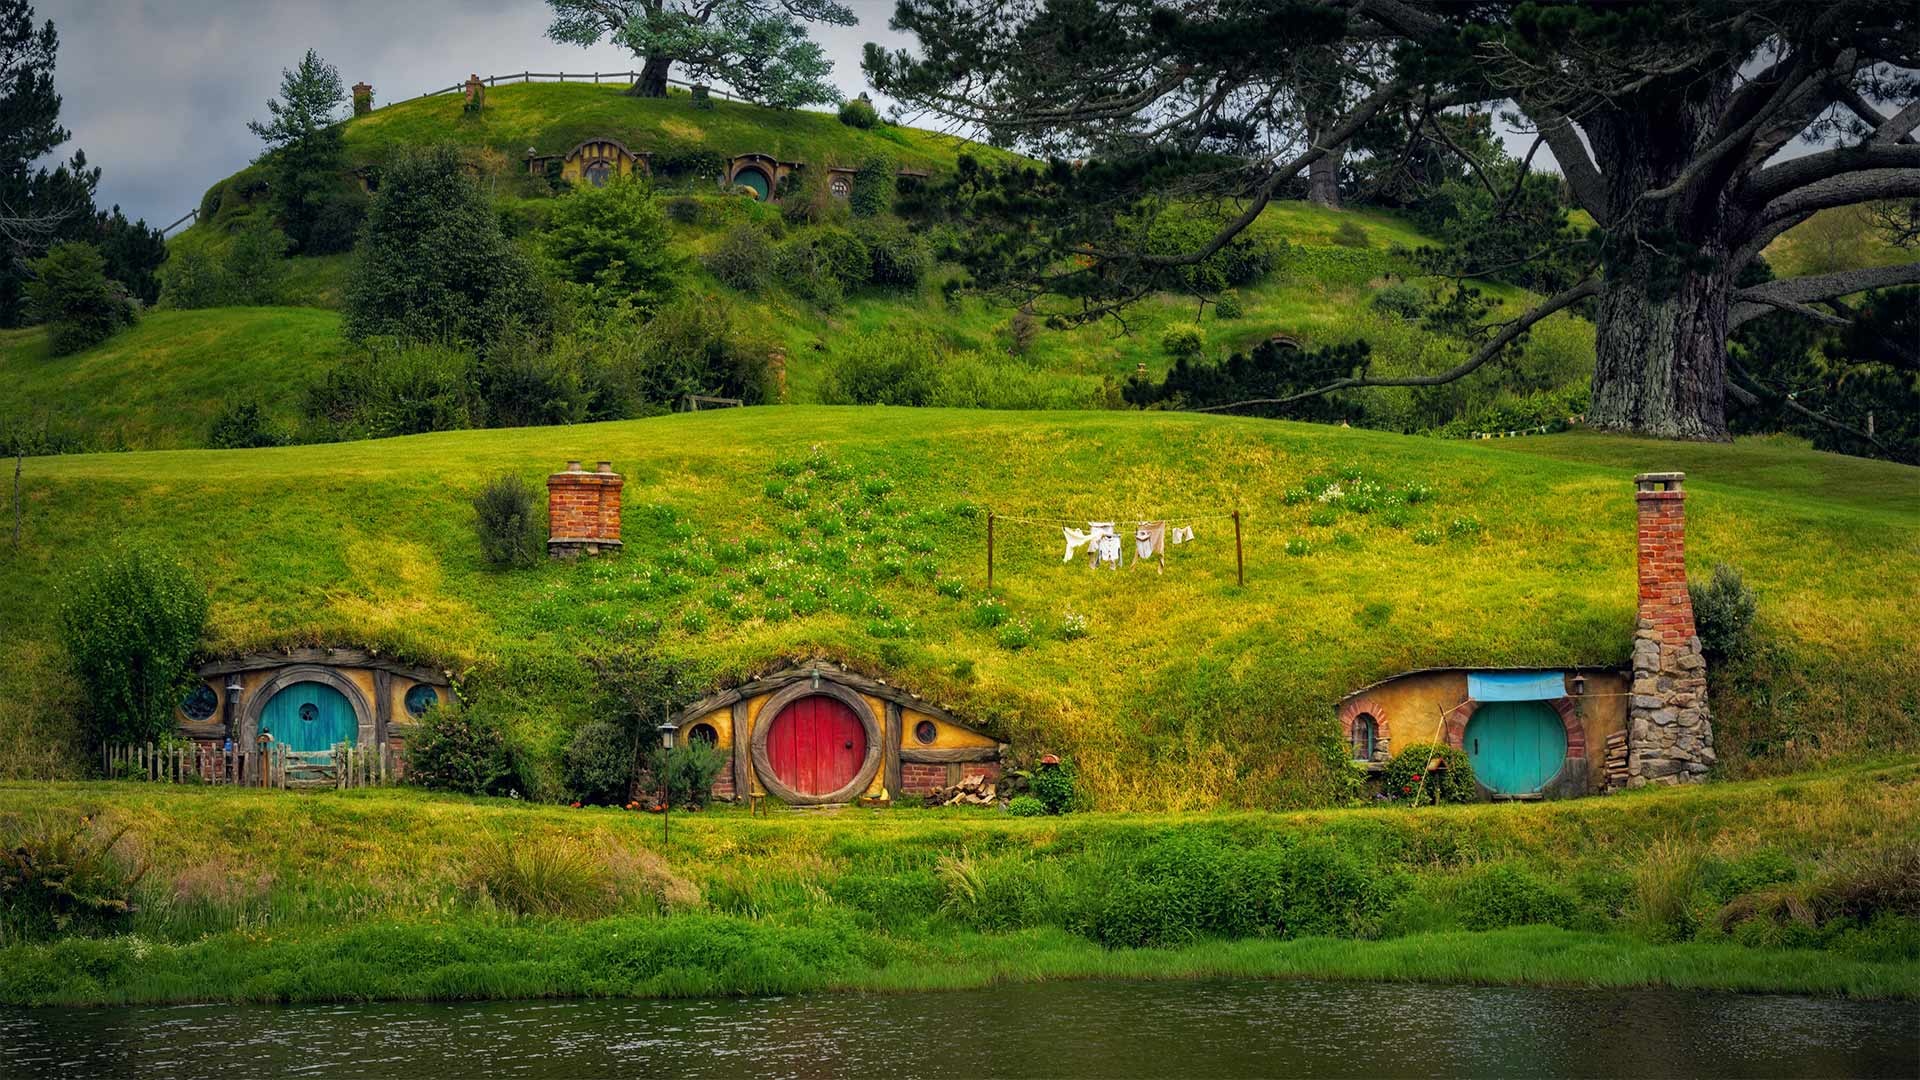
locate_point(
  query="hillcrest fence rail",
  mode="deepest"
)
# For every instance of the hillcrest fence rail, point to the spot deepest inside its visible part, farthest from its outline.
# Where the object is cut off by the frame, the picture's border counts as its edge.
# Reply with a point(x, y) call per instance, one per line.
point(269, 767)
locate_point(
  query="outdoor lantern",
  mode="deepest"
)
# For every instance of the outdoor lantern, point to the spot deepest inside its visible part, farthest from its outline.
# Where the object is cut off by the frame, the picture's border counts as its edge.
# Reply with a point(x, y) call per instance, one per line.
point(1579, 684)
point(666, 736)
point(666, 731)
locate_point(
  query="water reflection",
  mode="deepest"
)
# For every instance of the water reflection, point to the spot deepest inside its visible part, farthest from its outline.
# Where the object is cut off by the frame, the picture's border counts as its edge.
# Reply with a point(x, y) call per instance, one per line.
point(1092, 1029)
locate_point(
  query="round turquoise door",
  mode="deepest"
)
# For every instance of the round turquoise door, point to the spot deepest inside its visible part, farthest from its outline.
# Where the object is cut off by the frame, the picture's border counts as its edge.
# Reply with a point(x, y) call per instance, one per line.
point(755, 179)
point(1515, 746)
point(309, 716)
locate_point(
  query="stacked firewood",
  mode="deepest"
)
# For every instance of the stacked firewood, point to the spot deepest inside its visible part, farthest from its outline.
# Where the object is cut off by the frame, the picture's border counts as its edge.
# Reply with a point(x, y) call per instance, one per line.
point(973, 790)
point(1617, 775)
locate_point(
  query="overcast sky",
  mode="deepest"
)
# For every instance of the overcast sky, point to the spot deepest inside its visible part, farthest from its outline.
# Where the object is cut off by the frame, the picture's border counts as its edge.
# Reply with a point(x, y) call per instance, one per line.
point(159, 92)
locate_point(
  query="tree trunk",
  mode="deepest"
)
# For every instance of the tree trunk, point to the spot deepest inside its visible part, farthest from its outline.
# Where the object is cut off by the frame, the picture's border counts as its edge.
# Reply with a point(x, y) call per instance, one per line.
point(1323, 174)
point(1661, 353)
point(653, 78)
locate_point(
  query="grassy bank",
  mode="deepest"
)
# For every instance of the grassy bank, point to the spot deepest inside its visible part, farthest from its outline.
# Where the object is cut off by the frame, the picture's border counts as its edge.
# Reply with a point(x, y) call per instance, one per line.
point(759, 534)
point(259, 896)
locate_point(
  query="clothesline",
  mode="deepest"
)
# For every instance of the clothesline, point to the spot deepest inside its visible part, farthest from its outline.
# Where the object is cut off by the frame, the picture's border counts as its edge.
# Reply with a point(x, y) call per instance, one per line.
point(997, 516)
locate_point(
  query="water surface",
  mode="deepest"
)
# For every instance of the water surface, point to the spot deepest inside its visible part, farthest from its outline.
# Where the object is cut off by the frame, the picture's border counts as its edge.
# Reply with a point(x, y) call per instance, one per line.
point(1228, 1028)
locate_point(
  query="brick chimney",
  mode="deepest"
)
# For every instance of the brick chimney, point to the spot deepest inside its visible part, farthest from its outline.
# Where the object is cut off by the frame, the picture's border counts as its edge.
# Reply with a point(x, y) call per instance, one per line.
point(1670, 733)
point(583, 511)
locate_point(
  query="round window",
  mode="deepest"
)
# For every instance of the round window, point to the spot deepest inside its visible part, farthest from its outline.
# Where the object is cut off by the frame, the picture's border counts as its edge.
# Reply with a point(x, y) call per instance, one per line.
point(704, 733)
point(842, 187)
point(925, 731)
point(200, 704)
point(420, 699)
point(309, 712)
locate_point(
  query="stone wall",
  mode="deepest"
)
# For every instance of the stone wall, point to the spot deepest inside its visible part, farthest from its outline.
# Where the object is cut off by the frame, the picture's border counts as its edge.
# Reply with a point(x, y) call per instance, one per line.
point(1670, 732)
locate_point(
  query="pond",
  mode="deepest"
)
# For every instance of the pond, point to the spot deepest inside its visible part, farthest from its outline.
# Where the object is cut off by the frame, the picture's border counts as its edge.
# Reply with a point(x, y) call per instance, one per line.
point(1086, 1029)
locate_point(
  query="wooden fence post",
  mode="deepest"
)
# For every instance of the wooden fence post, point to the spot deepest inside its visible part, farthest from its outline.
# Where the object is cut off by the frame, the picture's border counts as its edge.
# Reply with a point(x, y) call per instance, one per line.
point(1239, 560)
point(989, 551)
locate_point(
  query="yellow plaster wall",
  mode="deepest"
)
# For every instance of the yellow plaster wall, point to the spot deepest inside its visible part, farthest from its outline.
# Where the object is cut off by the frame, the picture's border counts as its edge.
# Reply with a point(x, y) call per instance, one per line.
point(361, 678)
point(573, 169)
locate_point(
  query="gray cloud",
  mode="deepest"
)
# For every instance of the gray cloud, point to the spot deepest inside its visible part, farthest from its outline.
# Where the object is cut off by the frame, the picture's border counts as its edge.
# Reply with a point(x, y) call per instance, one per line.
point(159, 93)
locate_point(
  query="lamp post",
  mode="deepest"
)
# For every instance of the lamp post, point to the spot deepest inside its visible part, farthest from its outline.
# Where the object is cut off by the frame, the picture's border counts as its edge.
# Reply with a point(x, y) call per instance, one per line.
point(666, 789)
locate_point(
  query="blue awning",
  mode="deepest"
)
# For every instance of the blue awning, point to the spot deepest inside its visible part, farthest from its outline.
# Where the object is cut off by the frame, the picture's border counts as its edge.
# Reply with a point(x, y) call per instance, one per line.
point(1517, 685)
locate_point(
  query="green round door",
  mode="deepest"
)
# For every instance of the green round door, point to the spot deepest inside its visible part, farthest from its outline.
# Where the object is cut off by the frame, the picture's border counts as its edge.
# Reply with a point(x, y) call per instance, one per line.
point(755, 179)
point(1516, 746)
point(309, 716)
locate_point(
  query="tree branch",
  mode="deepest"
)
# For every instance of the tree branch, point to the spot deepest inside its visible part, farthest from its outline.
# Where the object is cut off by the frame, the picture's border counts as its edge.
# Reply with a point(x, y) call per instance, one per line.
point(1847, 189)
point(1583, 176)
point(1586, 288)
point(1794, 293)
point(1752, 397)
point(1776, 180)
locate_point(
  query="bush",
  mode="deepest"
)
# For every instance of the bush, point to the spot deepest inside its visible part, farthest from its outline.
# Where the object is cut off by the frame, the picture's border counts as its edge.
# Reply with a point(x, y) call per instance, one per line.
point(743, 258)
point(256, 266)
point(193, 279)
point(1506, 895)
point(131, 622)
point(1056, 785)
point(821, 264)
point(1723, 610)
point(599, 763)
point(555, 878)
point(336, 227)
point(1183, 340)
point(506, 518)
point(242, 425)
point(1227, 306)
point(453, 748)
point(523, 384)
point(1401, 299)
point(690, 769)
point(404, 391)
point(890, 369)
point(859, 113)
point(1452, 782)
point(58, 879)
point(897, 258)
point(72, 294)
point(433, 264)
point(875, 182)
point(612, 239)
point(693, 346)
point(1351, 235)
point(1026, 806)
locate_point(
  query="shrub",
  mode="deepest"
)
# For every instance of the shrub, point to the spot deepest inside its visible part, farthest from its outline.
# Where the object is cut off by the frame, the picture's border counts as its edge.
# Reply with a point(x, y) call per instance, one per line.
point(1406, 776)
point(1351, 235)
point(743, 258)
point(690, 768)
point(242, 425)
point(1228, 306)
point(859, 113)
point(599, 763)
point(72, 294)
point(897, 257)
point(1016, 634)
point(336, 226)
point(59, 878)
point(454, 748)
point(193, 279)
point(433, 264)
point(1183, 340)
point(1507, 895)
point(693, 346)
point(403, 391)
point(548, 877)
point(506, 518)
point(1026, 806)
point(612, 239)
point(1723, 610)
point(1401, 299)
point(131, 621)
point(523, 384)
point(875, 182)
point(1056, 785)
point(890, 369)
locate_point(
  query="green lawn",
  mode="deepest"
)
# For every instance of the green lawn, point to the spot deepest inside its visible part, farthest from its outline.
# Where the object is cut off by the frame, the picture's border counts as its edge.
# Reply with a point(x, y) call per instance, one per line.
point(269, 896)
point(765, 533)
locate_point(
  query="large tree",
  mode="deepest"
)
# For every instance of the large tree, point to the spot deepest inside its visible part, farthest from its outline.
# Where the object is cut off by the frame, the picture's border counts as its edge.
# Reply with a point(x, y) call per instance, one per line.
point(37, 205)
point(306, 150)
point(1684, 130)
point(759, 48)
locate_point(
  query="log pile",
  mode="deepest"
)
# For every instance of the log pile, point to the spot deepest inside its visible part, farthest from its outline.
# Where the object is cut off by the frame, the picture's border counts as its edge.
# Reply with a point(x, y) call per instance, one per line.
point(1617, 774)
point(974, 790)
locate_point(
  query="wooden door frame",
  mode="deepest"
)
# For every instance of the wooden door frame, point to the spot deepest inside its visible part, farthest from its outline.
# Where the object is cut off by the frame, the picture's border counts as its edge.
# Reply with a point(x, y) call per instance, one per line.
point(256, 703)
point(770, 711)
point(1576, 756)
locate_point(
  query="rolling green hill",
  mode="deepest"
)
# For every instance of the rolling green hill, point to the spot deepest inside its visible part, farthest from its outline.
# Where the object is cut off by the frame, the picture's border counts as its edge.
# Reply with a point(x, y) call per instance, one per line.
point(758, 534)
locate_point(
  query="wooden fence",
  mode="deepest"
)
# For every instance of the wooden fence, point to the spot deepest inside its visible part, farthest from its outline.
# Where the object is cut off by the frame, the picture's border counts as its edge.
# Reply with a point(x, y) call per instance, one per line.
point(561, 76)
point(269, 767)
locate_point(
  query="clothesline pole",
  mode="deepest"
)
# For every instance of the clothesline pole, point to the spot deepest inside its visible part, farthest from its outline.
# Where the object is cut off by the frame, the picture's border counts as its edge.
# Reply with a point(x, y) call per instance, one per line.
point(1239, 560)
point(989, 551)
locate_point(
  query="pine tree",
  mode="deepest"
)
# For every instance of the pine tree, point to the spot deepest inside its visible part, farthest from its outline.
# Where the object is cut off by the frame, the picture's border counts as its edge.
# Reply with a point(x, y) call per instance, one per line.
point(306, 152)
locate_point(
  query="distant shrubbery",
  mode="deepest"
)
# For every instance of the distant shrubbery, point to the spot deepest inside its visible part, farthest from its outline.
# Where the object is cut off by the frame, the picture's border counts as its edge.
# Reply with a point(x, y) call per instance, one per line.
point(599, 763)
point(131, 622)
point(71, 293)
point(1723, 611)
point(859, 113)
point(454, 748)
point(506, 517)
point(242, 425)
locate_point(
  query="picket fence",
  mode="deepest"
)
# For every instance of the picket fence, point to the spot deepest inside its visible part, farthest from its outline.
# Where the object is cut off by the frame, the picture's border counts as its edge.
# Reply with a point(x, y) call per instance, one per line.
point(268, 767)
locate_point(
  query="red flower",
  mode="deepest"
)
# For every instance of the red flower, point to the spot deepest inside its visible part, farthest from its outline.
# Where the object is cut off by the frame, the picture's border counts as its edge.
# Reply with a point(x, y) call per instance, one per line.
point(576, 806)
point(1406, 789)
point(1416, 778)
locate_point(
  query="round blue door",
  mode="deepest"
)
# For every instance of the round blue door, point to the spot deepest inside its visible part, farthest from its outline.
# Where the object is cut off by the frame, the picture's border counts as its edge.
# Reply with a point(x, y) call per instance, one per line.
point(1516, 746)
point(309, 716)
point(756, 181)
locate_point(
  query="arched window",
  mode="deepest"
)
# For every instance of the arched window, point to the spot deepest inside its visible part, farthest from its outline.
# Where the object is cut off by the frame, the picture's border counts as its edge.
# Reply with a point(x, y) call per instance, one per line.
point(1366, 737)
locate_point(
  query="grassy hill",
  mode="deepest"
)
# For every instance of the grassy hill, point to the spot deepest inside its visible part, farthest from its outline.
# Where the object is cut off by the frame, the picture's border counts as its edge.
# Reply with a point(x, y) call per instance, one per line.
point(764, 533)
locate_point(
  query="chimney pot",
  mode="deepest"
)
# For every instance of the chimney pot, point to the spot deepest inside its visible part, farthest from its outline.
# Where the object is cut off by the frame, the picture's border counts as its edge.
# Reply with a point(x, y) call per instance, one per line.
point(606, 467)
point(573, 466)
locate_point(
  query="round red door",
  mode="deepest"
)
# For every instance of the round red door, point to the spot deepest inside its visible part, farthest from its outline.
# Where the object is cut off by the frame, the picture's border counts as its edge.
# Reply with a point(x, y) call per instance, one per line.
point(817, 745)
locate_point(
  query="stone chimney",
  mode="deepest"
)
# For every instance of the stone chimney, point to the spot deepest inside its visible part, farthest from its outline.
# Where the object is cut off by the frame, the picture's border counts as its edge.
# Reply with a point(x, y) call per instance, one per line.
point(583, 511)
point(362, 99)
point(1670, 734)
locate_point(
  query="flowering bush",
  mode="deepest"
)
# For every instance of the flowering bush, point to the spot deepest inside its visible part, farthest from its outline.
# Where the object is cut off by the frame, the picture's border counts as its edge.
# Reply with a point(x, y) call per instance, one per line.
point(1406, 777)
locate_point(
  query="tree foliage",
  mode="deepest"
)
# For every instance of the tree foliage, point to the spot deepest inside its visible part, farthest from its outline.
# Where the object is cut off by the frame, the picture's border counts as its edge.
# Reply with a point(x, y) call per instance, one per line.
point(1258, 382)
point(306, 154)
point(434, 265)
point(72, 294)
point(131, 622)
point(613, 239)
point(759, 48)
